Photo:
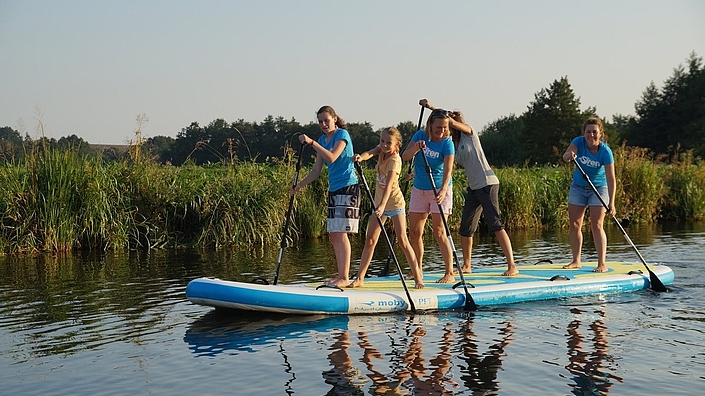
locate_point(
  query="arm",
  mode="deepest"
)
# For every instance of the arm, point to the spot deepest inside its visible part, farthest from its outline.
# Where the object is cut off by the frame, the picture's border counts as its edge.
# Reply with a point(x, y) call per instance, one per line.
point(569, 154)
point(329, 156)
point(425, 103)
point(411, 149)
point(447, 172)
point(612, 187)
point(366, 155)
point(313, 175)
point(464, 128)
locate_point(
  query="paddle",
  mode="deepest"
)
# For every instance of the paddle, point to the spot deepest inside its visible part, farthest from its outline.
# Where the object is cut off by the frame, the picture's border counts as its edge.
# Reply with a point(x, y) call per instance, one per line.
point(386, 237)
point(656, 283)
point(285, 230)
point(469, 302)
point(385, 271)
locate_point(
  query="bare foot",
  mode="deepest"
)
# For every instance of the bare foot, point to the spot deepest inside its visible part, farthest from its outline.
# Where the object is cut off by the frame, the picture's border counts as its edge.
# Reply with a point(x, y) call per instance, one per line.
point(600, 268)
point(512, 271)
point(339, 283)
point(572, 265)
point(447, 278)
point(358, 282)
point(419, 285)
point(466, 270)
point(409, 277)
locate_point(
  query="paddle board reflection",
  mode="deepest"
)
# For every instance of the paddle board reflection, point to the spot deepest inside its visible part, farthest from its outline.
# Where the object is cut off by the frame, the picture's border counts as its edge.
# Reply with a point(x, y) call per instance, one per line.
point(591, 369)
point(389, 354)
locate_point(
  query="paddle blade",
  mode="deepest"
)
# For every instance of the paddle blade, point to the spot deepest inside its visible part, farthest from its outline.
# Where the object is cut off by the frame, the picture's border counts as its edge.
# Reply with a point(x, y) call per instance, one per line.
point(470, 303)
point(656, 284)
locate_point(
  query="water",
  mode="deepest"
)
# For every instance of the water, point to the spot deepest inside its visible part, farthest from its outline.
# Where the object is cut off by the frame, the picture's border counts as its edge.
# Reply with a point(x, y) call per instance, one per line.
point(120, 324)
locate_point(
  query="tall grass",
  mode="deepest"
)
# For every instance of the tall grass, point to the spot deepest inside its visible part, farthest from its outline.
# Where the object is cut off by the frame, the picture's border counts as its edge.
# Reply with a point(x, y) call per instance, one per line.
point(61, 201)
point(685, 189)
point(640, 187)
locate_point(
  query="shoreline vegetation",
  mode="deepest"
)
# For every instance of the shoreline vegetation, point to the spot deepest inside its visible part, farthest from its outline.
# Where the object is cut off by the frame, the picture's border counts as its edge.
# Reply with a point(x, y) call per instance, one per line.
point(61, 201)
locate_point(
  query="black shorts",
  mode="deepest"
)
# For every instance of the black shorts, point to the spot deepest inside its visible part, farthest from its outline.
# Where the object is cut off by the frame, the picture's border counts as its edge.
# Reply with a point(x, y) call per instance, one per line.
point(485, 200)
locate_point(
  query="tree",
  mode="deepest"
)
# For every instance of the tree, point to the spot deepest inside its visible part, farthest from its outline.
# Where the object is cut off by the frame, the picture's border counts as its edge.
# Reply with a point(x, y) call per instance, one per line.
point(187, 141)
point(673, 116)
point(501, 141)
point(160, 148)
point(10, 145)
point(407, 129)
point(73, 142)
point(552, 120)
point(363, 136)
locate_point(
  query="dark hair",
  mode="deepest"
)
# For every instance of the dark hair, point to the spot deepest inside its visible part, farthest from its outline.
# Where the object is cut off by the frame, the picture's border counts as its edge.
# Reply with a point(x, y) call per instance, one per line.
point(456, 115)
point(339, 121)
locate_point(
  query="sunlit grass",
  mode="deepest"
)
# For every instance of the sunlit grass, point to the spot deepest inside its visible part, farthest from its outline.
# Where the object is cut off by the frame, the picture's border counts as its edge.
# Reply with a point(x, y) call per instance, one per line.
point(59, 201)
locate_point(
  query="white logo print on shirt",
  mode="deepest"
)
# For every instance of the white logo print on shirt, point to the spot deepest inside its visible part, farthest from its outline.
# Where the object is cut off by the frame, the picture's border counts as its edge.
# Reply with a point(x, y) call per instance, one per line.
point(589, 162)
point(431, 154)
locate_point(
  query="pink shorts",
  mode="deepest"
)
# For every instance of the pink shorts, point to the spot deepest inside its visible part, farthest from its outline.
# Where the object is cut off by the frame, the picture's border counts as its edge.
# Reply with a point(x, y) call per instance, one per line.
point(424, 201)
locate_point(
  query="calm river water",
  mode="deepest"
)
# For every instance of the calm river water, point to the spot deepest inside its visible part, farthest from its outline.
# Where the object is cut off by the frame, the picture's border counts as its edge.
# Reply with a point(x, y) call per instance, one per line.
point(120, 324)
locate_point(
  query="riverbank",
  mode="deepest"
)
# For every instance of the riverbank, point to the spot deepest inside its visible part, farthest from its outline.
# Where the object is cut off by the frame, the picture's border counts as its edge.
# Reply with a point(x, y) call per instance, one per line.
point(59, 201)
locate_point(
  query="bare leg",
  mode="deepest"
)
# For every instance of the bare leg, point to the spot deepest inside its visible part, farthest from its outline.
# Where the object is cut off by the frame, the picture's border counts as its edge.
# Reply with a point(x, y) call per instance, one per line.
point(506, 246)
point(400, 231)
point(417, 221)
point(597, 217)
point(373, 232)
point(341, 247)
point(466, 243)
point(439, 232)
point(575, 215)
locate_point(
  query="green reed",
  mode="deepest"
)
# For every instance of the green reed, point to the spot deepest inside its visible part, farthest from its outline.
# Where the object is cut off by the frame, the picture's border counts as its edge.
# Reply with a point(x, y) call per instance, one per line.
point(61, 201)
point(640, 187)
point(685, 186)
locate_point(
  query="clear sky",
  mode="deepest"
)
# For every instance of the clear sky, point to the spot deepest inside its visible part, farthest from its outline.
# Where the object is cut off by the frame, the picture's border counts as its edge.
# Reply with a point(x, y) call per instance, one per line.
point(91, 67)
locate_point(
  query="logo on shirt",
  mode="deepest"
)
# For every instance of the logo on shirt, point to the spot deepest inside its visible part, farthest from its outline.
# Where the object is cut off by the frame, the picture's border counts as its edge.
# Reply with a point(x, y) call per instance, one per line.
point(431, 154)
point(587, 161)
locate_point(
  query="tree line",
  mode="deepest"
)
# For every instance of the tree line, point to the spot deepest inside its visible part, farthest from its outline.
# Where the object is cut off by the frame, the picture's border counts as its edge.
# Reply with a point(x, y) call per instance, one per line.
point(668, 120)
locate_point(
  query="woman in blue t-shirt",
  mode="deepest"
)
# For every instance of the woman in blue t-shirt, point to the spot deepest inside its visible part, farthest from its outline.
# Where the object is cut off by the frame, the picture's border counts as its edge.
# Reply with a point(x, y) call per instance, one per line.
point(596, 159)
point(436, 144)
point(335, 149)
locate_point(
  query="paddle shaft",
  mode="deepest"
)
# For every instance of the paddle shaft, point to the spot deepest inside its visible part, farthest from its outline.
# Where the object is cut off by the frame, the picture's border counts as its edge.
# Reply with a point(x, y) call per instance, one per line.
point(385, 271)
point(287, 222)
point(386, 237)
point(469, 302)
point(656, 283)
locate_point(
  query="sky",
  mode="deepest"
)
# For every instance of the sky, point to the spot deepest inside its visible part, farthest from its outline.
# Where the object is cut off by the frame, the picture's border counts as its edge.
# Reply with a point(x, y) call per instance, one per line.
point(90, 68)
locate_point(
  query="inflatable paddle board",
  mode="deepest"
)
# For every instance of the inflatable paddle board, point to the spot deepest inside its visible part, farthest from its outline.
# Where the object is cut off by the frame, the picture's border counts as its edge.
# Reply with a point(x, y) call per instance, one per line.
point(386, 294)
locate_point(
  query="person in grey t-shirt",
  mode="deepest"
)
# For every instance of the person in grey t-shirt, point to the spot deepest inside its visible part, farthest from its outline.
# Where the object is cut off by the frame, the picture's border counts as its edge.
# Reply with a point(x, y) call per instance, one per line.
point(482, 193)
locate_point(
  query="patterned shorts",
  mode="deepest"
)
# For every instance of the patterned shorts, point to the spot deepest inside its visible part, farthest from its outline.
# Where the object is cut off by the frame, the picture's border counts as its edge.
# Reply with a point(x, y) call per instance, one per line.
point(344, 209)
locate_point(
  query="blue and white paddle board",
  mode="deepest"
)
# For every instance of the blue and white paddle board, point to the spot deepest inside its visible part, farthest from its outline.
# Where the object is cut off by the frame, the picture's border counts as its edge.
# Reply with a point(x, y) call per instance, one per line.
point(386, 294)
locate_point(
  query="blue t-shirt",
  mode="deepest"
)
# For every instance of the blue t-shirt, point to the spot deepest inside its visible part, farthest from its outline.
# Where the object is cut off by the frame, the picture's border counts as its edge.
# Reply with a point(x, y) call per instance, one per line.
point(435, 153)
point(592, 164)
point(341, 172)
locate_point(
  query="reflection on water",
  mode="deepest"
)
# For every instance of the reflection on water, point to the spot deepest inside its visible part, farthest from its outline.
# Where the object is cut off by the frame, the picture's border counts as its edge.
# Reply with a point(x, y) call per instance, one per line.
point(63, 305)
point(591, 365)
point(386, 355)
point(120, 324)
point(481, 370)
